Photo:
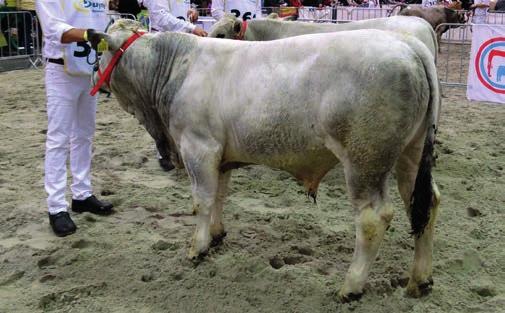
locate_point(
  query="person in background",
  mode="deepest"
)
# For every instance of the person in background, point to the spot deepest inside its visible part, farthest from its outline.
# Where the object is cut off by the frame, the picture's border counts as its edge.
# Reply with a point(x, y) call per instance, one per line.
point(162, 19)
point(9, 32)
point(245, 9)
point(428, 3)
point(479, 8)
point(182, 10)
point(25, 25)
point(67, 25)
point(160, 15)
point(499, 6)
point(374, 4)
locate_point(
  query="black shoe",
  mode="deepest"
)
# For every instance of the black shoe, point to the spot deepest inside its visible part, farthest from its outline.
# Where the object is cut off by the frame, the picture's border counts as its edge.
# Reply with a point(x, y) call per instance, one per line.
point(93, 205)
point(166, 165)
point(62, 224)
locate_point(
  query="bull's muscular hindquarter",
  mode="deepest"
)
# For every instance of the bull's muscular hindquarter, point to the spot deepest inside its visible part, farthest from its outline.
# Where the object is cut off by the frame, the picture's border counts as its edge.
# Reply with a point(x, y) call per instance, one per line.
point(300, 110)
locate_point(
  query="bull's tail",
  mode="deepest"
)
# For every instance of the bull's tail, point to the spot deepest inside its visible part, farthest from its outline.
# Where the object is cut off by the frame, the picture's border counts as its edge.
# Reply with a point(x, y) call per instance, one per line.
point(421, 200)
point(423, 196)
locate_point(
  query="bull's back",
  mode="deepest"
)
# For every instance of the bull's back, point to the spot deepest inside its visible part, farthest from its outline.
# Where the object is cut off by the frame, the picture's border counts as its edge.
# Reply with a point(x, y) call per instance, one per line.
point(278, 102)
point(410, 25)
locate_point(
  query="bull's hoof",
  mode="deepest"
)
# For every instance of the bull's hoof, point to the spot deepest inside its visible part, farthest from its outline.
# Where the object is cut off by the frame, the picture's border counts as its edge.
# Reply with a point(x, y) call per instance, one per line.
point(197, 258)
point(349, 297)
point(217, 239)
point(166, 164)
point(419, 290)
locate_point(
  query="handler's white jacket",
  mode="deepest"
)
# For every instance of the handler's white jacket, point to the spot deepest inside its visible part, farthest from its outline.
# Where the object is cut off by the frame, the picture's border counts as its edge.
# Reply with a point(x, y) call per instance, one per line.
point(161, 18)
point(219, 7)
point(53, 23)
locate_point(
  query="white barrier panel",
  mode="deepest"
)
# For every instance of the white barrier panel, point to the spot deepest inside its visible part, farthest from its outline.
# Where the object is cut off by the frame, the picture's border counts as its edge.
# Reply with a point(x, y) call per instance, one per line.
point(487, 64)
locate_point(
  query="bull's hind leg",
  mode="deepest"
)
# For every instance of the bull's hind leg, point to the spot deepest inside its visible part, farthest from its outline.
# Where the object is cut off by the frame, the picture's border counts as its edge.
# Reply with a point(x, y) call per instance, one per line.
point(423, 224)
point(368, 191)
point(201, 158)
point(217, 231)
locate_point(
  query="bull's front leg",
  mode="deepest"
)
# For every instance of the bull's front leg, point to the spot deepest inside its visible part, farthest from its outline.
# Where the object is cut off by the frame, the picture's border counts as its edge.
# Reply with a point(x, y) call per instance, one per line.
point(201, 157)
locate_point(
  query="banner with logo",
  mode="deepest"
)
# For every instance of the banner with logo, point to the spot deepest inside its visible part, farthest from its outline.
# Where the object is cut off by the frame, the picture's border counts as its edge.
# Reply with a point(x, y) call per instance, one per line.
point(486, 74)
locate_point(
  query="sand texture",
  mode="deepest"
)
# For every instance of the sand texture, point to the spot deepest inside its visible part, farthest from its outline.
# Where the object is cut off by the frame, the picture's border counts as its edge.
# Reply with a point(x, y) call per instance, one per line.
point(283, 253)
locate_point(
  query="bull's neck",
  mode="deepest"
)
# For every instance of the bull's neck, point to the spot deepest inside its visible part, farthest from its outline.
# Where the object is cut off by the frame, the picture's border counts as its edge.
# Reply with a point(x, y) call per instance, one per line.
point(260, 30)
point(269, 29)
point(156, 69)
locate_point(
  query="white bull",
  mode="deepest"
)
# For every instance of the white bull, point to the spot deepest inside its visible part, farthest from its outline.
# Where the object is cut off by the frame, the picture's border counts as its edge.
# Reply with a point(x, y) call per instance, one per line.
point(362, 97)
point(230, 27)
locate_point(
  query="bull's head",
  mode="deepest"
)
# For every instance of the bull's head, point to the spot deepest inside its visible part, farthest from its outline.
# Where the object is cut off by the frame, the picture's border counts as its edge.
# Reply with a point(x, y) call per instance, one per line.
point(456, 17)
point(116, 35)
point(462, 17)
point(228, 27)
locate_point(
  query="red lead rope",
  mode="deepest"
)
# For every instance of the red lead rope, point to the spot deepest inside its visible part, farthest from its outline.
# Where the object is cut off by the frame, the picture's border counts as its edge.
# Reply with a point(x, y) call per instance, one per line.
point(105, 77)
point(241, 34)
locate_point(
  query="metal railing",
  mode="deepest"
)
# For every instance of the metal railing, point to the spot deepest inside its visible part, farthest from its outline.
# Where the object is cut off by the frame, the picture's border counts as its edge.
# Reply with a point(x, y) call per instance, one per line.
point(358, 14)
point(495, 17)
point(454, 58)
point(315, 14)
point(114, 16)
point(19, 37)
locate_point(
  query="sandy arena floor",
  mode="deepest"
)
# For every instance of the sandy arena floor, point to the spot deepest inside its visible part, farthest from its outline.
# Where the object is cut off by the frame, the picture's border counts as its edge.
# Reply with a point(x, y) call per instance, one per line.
point(134, 261)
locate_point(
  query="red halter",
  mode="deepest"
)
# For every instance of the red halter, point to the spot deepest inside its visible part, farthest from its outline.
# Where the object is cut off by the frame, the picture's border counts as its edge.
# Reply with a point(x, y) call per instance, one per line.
point(241, 34)
point(105, 76)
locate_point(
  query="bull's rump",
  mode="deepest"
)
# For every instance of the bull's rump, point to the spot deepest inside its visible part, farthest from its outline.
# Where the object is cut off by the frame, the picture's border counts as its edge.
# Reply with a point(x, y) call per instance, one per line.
point(279, 103)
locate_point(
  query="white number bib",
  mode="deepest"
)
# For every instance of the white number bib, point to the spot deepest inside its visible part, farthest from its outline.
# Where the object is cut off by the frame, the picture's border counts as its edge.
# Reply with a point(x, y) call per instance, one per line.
point(83, 14)
point(245, 9)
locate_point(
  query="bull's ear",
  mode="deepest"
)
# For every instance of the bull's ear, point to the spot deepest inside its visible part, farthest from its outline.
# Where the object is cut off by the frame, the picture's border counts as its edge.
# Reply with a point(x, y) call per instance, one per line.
point(237, 26)
point(95, 39)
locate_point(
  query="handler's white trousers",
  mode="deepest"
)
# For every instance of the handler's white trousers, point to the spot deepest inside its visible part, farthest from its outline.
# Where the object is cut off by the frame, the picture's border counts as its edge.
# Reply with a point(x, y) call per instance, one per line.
point(71, 124)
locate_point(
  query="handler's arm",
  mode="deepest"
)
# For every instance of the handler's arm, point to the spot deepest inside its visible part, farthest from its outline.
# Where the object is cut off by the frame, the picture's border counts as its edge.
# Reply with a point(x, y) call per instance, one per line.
point(160, 15)
point(217, 9)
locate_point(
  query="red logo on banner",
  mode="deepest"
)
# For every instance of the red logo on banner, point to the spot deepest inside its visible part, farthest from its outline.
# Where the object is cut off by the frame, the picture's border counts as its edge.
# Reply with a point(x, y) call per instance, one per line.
point(490, 72)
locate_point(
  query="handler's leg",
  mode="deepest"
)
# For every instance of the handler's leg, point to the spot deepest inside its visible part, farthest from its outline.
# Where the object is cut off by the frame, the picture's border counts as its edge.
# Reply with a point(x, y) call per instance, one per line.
point(407, 167)
point(201, 158)
point(217, 231)
point(61, 108)
point(83, 130)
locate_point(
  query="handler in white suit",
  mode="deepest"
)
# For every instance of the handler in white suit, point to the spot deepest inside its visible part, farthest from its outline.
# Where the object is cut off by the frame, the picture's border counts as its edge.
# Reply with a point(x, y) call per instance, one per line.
point(245, 9)
point(182, 10)
point(164, 18)
point(66, 26)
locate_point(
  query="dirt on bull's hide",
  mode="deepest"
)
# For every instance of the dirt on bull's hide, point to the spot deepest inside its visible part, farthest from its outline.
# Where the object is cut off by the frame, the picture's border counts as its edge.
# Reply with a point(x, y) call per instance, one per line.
point(282, 252)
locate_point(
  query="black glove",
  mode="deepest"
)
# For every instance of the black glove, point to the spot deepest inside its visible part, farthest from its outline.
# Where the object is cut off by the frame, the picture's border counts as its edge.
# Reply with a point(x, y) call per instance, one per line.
point(93, 38)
